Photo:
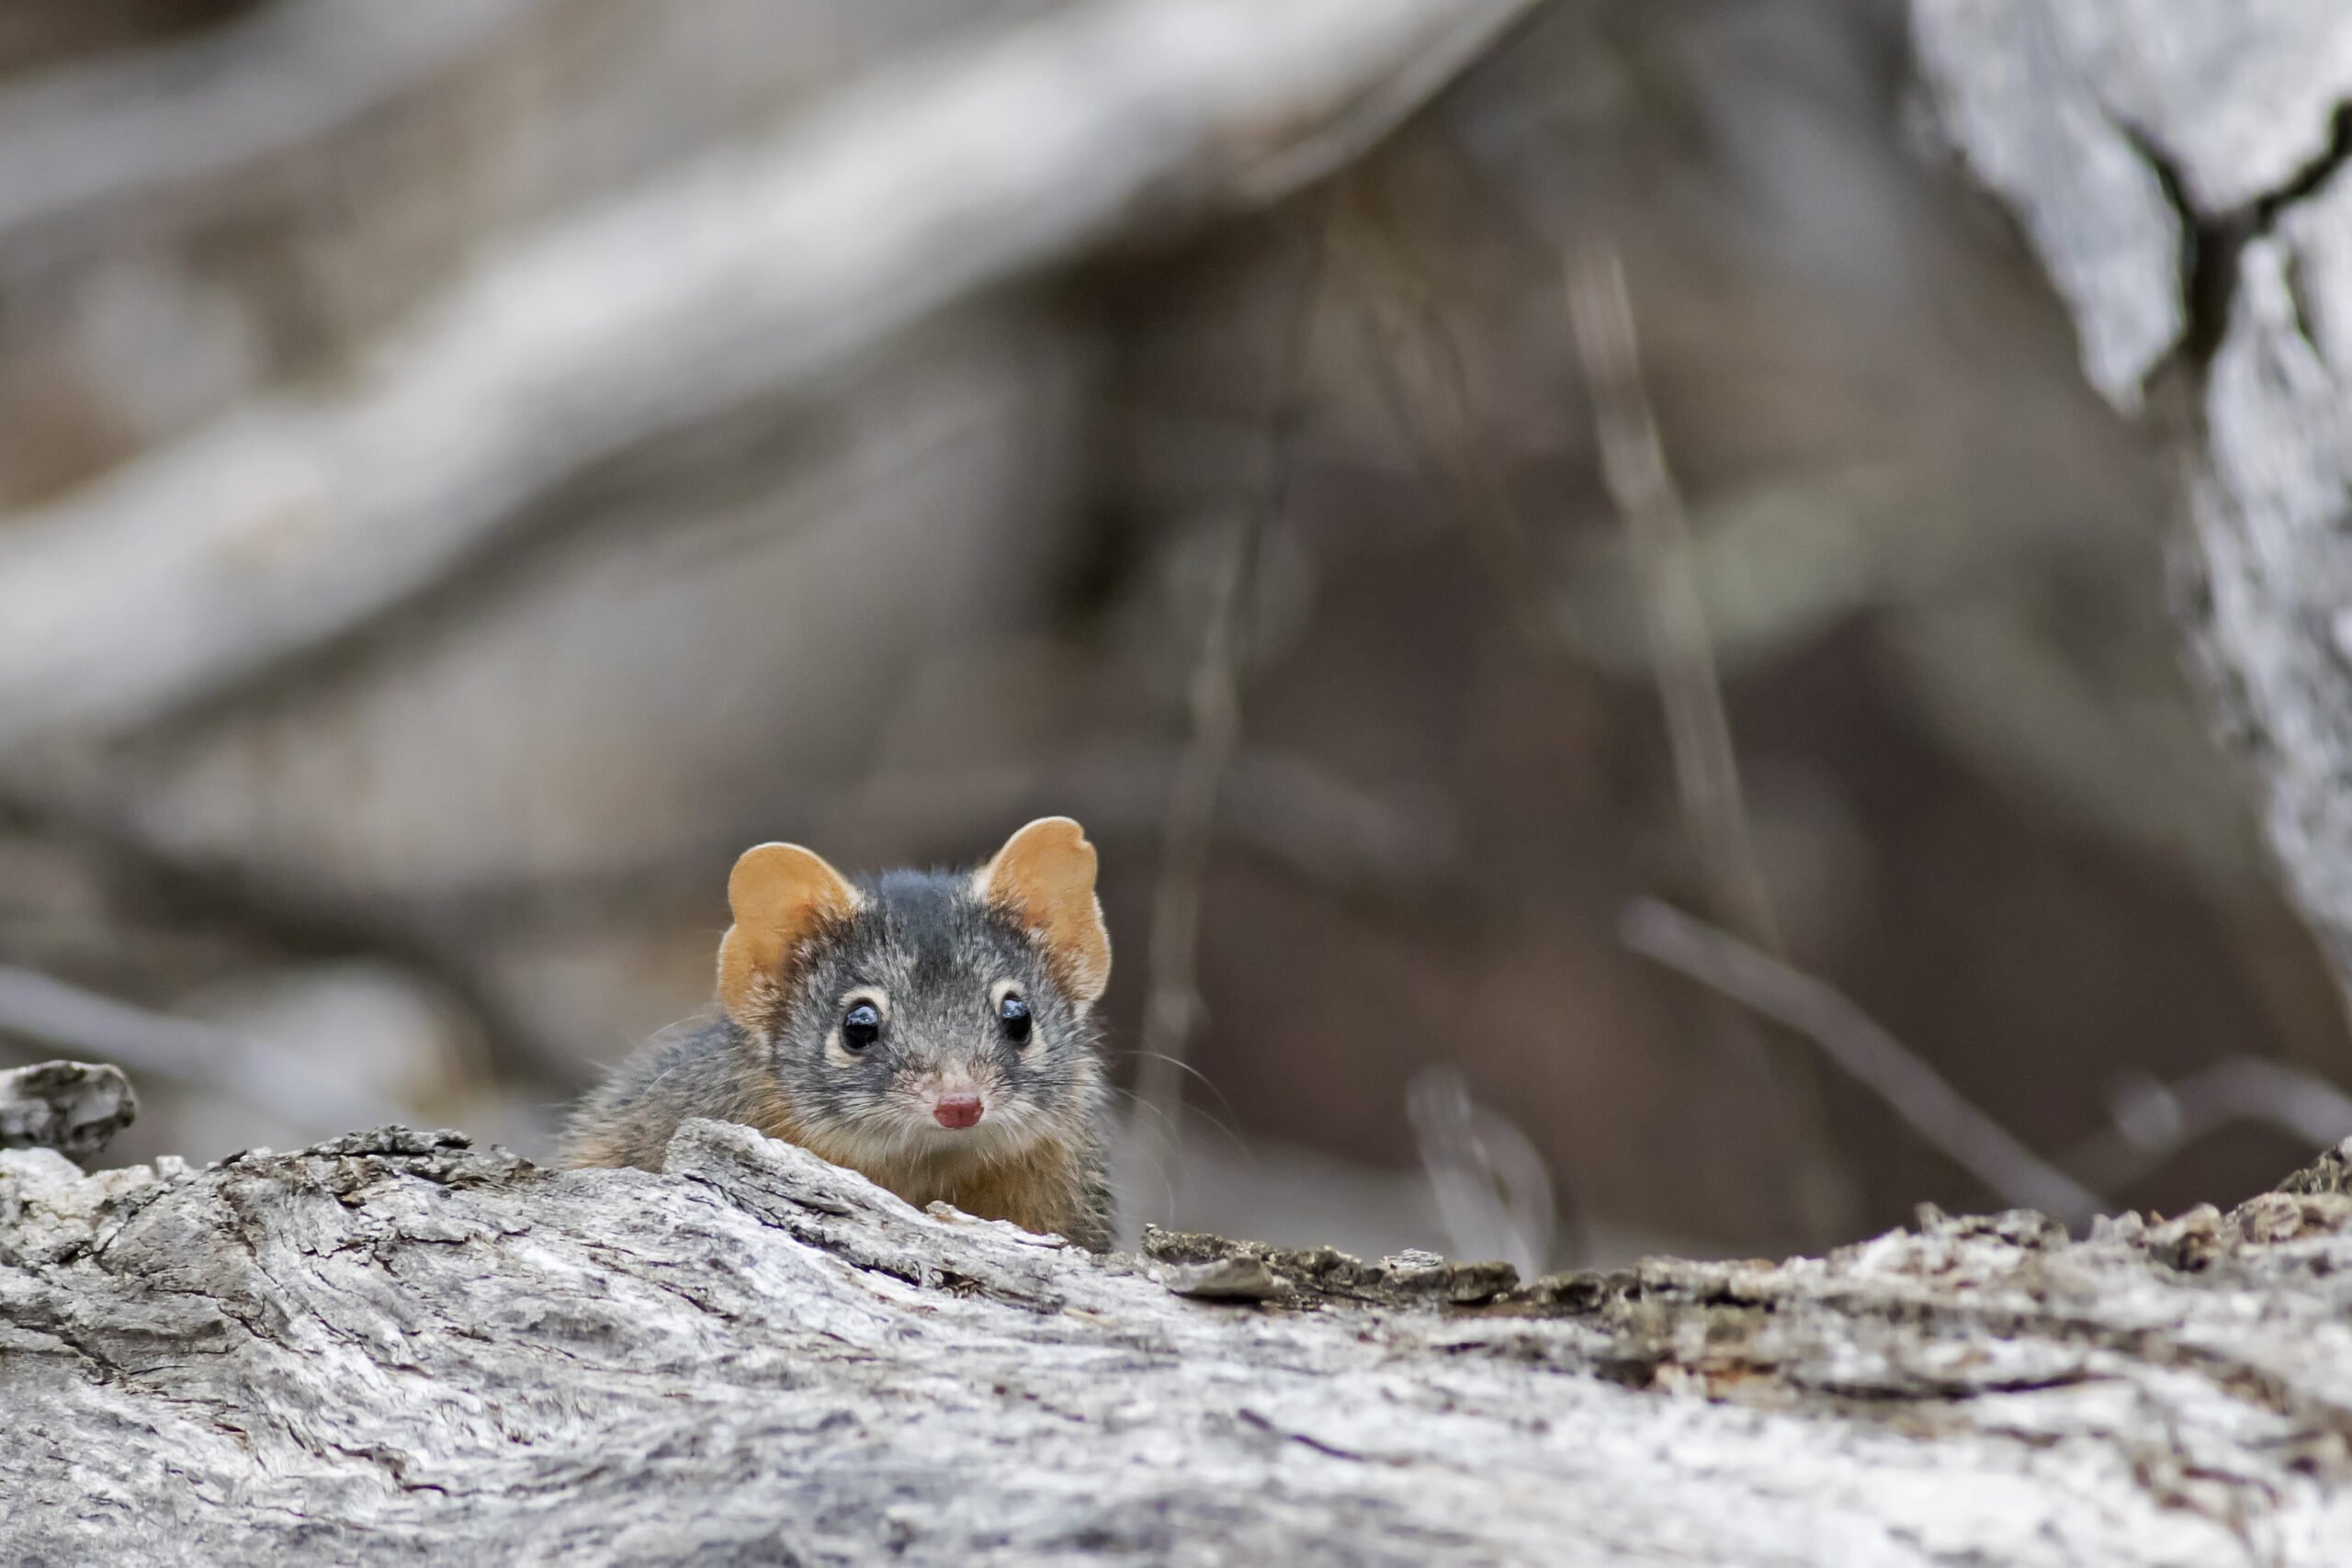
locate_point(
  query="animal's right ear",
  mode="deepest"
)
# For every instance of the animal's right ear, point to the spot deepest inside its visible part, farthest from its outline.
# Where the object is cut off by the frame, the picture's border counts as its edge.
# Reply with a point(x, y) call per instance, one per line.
point(781, 895)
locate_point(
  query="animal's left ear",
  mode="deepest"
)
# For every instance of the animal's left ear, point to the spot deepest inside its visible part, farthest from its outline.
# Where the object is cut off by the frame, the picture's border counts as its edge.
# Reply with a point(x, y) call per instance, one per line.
point(1043, 877)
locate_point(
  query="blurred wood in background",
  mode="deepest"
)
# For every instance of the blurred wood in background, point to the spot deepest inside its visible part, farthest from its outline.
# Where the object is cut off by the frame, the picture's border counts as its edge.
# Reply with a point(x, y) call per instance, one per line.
point(543, 446)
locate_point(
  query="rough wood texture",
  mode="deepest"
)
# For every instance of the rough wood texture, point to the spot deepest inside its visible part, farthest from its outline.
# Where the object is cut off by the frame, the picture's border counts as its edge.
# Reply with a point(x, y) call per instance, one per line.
point(2178, 169)
point(71, 1107)
point(394, 1348)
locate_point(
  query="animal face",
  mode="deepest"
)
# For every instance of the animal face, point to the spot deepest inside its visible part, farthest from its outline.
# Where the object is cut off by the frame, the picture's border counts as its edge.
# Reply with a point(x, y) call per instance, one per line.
point(928, 1026)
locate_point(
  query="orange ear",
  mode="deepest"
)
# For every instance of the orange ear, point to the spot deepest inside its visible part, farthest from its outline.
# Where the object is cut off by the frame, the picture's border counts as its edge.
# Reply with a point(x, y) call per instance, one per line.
point(781, 895)
point(1043, 877)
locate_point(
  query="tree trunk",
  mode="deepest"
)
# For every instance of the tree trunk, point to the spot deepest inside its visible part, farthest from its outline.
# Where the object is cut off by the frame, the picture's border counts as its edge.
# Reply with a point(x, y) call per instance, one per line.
point(2178, 169)
point(396, 1347)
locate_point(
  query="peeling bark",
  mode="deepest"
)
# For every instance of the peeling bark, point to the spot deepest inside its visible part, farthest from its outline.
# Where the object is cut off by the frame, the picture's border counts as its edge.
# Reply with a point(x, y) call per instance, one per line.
point(397, 1348)
point(71, 1107)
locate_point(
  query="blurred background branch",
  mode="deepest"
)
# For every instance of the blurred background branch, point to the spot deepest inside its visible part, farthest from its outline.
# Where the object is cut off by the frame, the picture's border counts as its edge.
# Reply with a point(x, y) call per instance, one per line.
point(2153, 1122)
point(1682, 665)
point(1493, 1188)
point(147, 125)
point(782, 260)
point(301, 1086)
point(1682, 656)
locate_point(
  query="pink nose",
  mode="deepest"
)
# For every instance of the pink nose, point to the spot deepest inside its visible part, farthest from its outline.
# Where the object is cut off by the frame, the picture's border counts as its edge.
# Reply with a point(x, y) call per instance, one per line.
point(956, 1109)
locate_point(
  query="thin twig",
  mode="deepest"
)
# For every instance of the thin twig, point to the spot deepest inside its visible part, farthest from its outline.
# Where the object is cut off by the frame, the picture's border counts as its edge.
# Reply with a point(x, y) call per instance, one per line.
point(1493, 1188)
point(1847, 1036)
point(1173, 1004)
point(1633, 464)
point(1683, 659)
point(2153, 1121)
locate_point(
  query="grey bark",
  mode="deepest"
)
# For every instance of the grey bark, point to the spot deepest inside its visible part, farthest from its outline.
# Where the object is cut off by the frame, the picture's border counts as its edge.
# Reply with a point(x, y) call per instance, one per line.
point(2178, 170)
point(395, 1347)
point(71, 1107)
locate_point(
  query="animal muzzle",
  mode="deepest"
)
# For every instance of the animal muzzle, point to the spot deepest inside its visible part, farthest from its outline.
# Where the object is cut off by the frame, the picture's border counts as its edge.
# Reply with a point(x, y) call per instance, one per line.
point(962, 1109)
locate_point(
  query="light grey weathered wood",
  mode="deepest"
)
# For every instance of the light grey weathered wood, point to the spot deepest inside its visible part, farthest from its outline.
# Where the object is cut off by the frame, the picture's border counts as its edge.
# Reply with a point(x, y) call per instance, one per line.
point(395, 1347)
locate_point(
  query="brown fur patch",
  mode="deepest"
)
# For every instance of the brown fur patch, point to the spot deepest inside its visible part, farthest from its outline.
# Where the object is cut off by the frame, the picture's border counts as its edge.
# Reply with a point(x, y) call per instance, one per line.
point(1041, 1190)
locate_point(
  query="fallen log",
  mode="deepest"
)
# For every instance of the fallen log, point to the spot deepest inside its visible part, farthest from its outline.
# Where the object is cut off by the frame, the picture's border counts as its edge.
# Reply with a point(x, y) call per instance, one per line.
point(397, 1347)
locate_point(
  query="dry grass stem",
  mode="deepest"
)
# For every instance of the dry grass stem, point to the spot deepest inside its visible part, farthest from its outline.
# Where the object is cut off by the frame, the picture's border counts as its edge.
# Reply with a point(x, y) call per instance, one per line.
point(1172, 1004)
point(1874, 1058)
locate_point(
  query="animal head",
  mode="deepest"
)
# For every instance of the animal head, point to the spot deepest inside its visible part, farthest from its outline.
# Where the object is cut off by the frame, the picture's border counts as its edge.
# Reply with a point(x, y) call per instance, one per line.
point(923, 1016)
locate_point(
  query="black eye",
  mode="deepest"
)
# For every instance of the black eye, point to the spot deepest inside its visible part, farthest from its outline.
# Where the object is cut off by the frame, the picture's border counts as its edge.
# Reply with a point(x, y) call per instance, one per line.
point(861, 1026)
point(1014, 1014)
